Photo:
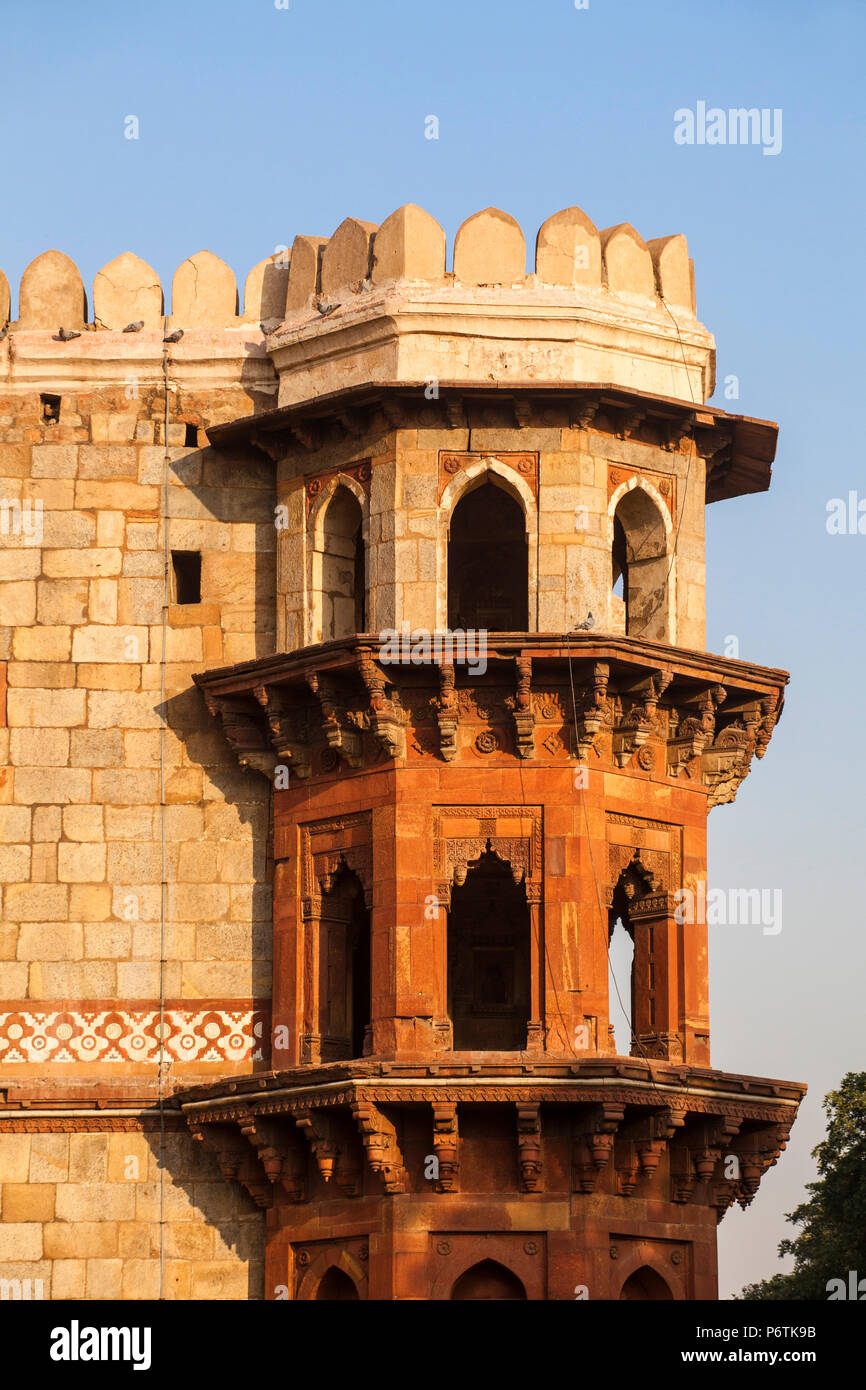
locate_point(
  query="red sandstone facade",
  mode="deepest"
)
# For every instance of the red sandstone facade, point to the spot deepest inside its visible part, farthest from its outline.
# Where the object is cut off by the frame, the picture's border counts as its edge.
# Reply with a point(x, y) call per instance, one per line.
point(448, 1117)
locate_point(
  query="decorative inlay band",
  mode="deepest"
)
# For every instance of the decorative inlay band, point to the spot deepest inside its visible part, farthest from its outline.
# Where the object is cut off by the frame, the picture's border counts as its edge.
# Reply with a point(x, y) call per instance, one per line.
point(119, 1035)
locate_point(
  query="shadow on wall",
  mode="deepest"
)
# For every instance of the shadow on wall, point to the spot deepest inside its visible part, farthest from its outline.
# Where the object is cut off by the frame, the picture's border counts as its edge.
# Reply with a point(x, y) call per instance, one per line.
point(214, 1232)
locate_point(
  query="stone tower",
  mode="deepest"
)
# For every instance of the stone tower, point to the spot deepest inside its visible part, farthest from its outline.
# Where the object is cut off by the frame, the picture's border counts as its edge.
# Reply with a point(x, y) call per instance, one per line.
point(494, 737)
point(357, 694)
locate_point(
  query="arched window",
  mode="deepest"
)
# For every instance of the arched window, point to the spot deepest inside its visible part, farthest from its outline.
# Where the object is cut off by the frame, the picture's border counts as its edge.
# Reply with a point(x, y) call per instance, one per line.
point(488, 1280)
point(636, 960)
point(644, 1284)
point(640, 564)
point(336, 1284)
point(488, 564)
point(489, 960)
point(342, 572)
point(344, 968)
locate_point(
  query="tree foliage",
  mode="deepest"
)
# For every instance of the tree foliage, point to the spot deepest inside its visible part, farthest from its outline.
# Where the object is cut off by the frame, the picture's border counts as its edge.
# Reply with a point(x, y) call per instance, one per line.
point(832, 1238)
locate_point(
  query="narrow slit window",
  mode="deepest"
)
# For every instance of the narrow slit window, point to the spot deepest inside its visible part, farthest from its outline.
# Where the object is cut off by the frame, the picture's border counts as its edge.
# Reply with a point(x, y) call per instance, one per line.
point(190, 437)
point(186, 566)
point(50, 409)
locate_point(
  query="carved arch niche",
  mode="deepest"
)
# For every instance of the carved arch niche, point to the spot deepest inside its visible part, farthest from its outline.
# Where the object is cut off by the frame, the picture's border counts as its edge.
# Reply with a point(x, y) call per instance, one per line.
point(669, 979)
point(478, 838)
point(337, 898)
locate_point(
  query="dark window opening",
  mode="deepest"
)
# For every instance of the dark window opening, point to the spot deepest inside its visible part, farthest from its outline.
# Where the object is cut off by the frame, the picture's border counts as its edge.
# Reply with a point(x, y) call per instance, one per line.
point(336, 1284)
point(489, 1280)
point(343, 568)
point(640, 568)
point(186, 565)
point(190, 436)
point(344, 969)
point(645, 1284)
point(488, 563)
point(50, 409)
point(489, 959)
point(360, 586)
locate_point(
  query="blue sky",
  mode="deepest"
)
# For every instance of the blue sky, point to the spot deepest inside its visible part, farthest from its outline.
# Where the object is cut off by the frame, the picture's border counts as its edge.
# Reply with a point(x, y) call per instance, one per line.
point(257, 123)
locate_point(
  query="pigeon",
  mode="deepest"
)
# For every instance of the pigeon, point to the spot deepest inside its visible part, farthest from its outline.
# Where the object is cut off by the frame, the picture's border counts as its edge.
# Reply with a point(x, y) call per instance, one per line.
point(174, 337)
point(264, 327)
point(3, 332)
point(134, 327)
point(65, 335)
point(588, 622)
point(366, 284)
point(325, 308)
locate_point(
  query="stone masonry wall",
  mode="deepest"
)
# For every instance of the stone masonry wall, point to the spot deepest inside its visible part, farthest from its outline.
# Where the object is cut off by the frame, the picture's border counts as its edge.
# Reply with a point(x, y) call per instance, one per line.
point(82, 821)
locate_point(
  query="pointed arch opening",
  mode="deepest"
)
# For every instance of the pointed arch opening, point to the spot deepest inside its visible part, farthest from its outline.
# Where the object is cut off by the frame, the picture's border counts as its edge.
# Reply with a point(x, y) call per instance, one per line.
point(634, 963)
point(639, 568)
point(344, 968)
point(489, 1280)
point(644, 1284)
point(336, 1285)
point(489, 986)
point(488, 561)
point(343, 561)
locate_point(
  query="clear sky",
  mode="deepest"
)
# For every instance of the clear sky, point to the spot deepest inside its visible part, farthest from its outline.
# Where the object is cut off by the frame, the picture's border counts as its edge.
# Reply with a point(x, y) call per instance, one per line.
point(257, 123)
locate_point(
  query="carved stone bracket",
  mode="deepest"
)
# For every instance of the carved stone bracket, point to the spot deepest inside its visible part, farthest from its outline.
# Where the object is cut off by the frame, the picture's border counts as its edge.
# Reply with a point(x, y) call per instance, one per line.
point(692, 727)
point(529, 1149)
point(446, 1142)
point(594, 1144)
point(289, 734)
point(447, 714)
point(379, 1138)
point(638, 719)
point(522, 713)
point(241, 724)
point(317, 1125)
point(387, 722)
point(237, 1161)
point(591, 707)
point(340, 734)
point(280, 1153)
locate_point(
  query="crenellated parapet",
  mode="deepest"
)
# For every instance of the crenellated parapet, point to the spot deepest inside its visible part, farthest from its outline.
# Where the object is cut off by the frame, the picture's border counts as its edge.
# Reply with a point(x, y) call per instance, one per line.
point(373, 303)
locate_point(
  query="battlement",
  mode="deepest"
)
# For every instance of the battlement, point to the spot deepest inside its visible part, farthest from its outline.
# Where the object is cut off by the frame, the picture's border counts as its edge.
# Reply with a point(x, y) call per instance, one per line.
point(374, 303)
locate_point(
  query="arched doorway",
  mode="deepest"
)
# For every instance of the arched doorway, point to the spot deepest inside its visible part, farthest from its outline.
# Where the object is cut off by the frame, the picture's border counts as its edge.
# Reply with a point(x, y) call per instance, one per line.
point(488, 1280)
point(639, 568)
point(344, 967)
point(342, 567)
point(644, 1284)
point(489, 959)
point(336, 1284)
point(488, 564)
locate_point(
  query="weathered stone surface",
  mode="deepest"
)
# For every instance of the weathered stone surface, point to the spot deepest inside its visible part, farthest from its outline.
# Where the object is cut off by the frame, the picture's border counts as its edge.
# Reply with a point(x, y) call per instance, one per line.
point(125, 291)
point(346, 259)
point(568, 250)
point(203, 293)
point(670, 256)
point(52, 294)
point(303, 280)
point(628, 265)
point(489, 249)
point(409, 244)
point(265, 290)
